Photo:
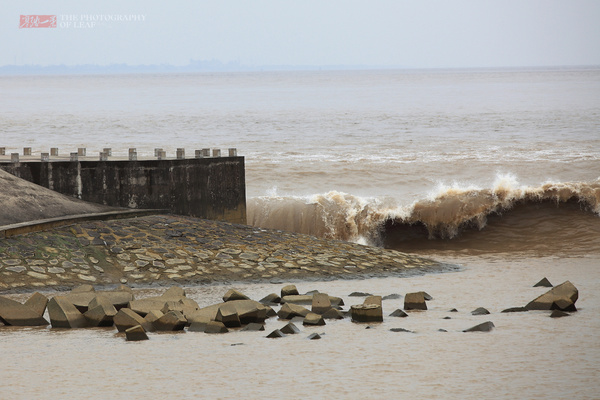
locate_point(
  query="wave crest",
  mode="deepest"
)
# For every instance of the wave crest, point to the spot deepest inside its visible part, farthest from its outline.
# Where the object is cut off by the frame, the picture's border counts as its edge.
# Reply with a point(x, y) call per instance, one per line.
point(444, 213)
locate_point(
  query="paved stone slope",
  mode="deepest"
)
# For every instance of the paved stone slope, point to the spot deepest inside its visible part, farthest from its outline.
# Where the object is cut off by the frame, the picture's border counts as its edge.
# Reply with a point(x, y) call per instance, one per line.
point(184, 250)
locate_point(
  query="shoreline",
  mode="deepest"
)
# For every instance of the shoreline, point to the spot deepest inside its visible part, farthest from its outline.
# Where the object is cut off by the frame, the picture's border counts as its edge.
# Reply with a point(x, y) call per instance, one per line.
point(163, 250)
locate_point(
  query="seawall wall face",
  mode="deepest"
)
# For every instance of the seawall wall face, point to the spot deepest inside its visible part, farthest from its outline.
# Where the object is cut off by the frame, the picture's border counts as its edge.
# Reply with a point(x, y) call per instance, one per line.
point(211, 188)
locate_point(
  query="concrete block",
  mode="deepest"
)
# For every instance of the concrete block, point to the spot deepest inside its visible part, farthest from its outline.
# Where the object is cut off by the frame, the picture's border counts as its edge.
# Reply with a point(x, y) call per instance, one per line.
point(156, 150)
point(63, 314)
point(17, 314)
point(54, 151)
point(26, 151)
point(180, 153)
point(103, 156)
point(81, 151)
point(367, 313)
point(161, 155)
point(74, 156)
point(216, 153)
point(135, 333)
point(108, 151)
point(2, 151)
point(232, 152)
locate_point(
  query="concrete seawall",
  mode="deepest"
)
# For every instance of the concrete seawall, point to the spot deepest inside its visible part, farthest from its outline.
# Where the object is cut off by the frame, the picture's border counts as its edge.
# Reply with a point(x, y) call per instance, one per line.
point(211, 188)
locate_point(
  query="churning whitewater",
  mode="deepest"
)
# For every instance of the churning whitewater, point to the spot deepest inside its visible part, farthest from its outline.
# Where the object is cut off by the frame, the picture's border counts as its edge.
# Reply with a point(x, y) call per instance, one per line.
point(444, 214)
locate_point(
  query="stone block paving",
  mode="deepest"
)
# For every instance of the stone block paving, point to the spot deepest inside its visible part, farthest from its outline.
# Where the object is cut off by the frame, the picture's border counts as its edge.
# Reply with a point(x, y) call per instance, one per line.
point(174, 249)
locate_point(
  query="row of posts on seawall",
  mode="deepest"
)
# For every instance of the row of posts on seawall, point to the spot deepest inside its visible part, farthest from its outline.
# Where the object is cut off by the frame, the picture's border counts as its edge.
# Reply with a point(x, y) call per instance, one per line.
point(106, 154)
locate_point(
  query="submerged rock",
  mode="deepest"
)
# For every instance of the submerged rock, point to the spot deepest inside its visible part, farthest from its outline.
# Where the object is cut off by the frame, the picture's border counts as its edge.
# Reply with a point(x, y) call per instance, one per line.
point(314, 336)
point(271, 299)
point(320, 303)
point(399, 313)
point(559, 314)
point(480, 311)
point(561, 297)
point(515, 309)
point(483, 327)
point(276, 334)
point(543, 283)
point(290, 329)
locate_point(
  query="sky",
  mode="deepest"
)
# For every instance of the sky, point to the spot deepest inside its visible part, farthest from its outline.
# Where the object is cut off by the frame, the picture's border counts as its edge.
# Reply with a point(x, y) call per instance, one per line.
point(373, 33)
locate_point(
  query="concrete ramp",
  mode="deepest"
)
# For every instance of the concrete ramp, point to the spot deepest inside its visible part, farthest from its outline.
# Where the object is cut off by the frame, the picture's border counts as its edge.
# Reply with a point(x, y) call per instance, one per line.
point(22, 201)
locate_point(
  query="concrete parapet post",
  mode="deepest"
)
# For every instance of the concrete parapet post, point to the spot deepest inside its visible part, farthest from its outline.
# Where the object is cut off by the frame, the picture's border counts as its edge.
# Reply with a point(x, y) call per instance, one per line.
point(26, 151)
point(198, 154)
point(2, 151)
point(45, 157)
point(108, 151)
point(216, 152)
point(103, 156)
point(180, 153)
point(232, 152)
point(81, 151)
point(205, 152)
point(54, 151)
point(74, 157)
point(161, 155)
point(14, 157)
point(156, 150)
point(132, 154)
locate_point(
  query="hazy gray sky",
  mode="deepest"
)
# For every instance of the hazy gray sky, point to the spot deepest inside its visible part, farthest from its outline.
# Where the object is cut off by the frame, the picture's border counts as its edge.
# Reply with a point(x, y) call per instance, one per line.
point(419, 33)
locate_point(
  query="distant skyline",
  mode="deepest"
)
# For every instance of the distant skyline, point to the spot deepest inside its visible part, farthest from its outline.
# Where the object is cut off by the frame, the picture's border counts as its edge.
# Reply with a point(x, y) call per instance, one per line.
point(263, 33)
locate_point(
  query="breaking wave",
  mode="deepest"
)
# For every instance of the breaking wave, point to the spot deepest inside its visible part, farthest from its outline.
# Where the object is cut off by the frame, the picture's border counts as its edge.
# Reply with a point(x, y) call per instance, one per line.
point(450, 212)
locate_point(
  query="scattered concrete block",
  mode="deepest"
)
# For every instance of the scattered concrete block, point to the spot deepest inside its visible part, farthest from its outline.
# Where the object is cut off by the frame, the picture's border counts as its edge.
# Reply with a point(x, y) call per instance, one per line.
point(37, 302)
point(233, 294)
point(153, 316)
point(321, 303)
point(366, 313)
point(17, 314)
point(101, 314)
point(228, 316)
point(373, 300)
point(64, 314)
point(559, 314)
point(415, 301)
point(127, 318)
point(393, 296)
point(483, 327)
point(276, 334)
point(561, 297)
point(314, 336)
point(272, 298)
point(174, 292)
point(333, 313)
point(83, 288)
point(543, 283)
point(215, 327)
point(515, 309)
point(400, 330)
point(313, 319)
point(360, 294)
point(399, 313)
point(198, 327)
point(289, 311)
point(289, 290)
point(144, 306)
point(303, 299)
point(170, 321)
point(480, 311)
point(135, 333)
point(290, 329)
point(254, 326)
